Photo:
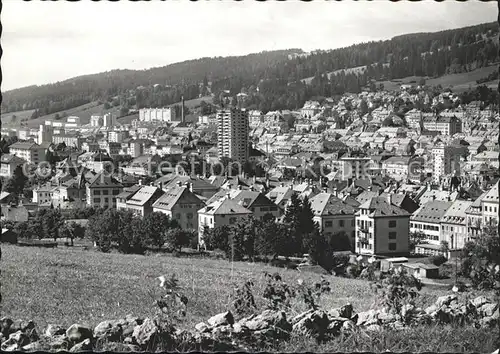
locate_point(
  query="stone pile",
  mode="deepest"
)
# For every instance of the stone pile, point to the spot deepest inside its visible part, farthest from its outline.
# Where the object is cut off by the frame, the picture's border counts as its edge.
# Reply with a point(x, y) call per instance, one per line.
point(135, 334)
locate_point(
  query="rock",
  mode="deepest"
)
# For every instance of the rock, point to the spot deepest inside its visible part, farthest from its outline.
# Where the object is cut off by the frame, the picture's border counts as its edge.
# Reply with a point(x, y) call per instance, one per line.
point(224, 318)
point(110, 330)
point(488, 309)
point(145, 332)
point(10, 348)
point(2, 338)
point(398, 325)
point(496, 314)
point(121, 347)
point(445, 300)
point(6, 323)
point(58, 342)
point(344, 311)
point(128, 340)
point(315, 324)
point(301, 316)
point(20, 338)
point(240, 329)
point(431, 309)
point(479, 301)
point(274, 320)
point(202, 327)
point(348, 326)
point(488, 322)
point(82, 346)
point(54, 330)
point(223, 330)
point(373, 328)
point(386, 318)
point(407, 310)
point(367, 318)
point(32, 347)
point(77, 333)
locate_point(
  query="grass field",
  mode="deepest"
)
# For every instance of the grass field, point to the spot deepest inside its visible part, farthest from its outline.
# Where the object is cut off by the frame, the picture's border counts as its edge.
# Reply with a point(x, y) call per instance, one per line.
point(458, 82)
point(84, 112)
point(65, 285)
point(9, 120)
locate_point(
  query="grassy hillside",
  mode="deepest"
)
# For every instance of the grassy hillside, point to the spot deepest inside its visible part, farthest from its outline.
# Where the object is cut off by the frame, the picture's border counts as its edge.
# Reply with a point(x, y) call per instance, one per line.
point(459, 82)
point(72, 285)
point(14, 119)
point(85, 112)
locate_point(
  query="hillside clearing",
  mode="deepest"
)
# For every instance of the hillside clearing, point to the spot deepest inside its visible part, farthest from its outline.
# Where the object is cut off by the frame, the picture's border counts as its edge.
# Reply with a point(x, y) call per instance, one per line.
point(65, 285)
point(458, 82)
point(85, 112)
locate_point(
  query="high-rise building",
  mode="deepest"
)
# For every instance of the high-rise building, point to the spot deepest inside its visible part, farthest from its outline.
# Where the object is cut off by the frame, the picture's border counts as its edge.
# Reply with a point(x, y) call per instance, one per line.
point(45, 134)
point(232, 134)
point(109, 120)
point(446, 161)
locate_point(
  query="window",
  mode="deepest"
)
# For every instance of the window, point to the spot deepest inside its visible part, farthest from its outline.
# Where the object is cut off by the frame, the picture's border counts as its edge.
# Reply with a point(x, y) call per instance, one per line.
point(328, 224)
point(392, 223)
point(392, 246)
point(105, 192)
point(97, 200)
point(178, 216)
point(189, 215)
point(116, 191)
point(97, 192)
point(352, 222)
point(392, 235)
point(232, 221)
point(341, 223)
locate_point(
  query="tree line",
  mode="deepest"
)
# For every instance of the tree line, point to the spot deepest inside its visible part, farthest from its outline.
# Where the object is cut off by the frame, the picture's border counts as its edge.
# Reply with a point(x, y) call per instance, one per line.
point(276, 76)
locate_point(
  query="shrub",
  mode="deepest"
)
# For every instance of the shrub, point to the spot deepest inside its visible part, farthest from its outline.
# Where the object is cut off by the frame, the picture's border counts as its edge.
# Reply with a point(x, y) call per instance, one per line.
point(437, 260)
point(396, 289)
point(244, 301)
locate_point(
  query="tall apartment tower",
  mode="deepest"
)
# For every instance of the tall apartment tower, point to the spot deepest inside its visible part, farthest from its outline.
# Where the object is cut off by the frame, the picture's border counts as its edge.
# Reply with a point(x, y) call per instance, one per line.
point(232, 134)
point(446, 161)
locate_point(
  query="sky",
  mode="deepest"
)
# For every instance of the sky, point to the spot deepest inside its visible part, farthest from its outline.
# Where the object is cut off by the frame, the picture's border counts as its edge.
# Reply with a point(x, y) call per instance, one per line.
point(45, 41)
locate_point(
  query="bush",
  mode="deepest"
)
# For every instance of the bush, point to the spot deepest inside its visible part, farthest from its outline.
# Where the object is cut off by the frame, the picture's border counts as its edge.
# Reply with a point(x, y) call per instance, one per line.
point(437, 260)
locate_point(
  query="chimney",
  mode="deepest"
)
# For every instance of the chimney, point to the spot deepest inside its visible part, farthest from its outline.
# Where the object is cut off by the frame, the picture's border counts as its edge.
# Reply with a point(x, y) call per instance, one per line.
point(389, 198)
point(179, 183)
point(335, 192)
point(140, 182)
point(182, 109)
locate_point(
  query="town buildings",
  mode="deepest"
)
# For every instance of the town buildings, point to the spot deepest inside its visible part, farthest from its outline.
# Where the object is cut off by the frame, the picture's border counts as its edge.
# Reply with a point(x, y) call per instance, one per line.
point(30, 152)
point(232, 134)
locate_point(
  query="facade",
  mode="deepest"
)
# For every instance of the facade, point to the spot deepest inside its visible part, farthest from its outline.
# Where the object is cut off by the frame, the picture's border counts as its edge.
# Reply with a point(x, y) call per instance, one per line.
point(45, 134)
point(157, 115)
point(30, 152)
point(402, 167)
point(221, 212)
point(108, 120)
point(382, 228)
point(102, 190)
point(69, 140)
point(43, 194)
point(180, 204)
point(232, 134)
point(141, 202)
point(96, 121)
point(474, 217)
point(427, 220)
point(333, 215)
point(454, 225)
point(443, 125)
point(355, 167)
point(489, 206)
point(9, 163)
point(446, 161)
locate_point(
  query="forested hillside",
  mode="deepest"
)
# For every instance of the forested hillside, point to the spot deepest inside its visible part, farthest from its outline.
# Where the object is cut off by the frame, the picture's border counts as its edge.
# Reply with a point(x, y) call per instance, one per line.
point(271, 79)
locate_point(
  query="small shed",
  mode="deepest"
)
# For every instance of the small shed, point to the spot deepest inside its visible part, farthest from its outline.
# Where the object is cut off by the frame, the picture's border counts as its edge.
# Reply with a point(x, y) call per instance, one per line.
point(421, 270)
point(9, 236)
point(388, 263)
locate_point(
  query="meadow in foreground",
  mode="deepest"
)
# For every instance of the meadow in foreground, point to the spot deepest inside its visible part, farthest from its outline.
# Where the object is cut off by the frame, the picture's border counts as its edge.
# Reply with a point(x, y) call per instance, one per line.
point(66, 286)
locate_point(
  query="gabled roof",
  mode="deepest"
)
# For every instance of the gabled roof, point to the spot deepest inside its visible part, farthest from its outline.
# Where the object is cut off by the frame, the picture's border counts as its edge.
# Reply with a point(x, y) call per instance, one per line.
point(381, 208)
point(25, 145)
point(103, 180)
point(225, 207)
point(12, 159)
point(246, 198)
point(432, 211)
point(280, 195)
point(324, 204)
point(172, 195)
point(492, 195)
point(128, 192)
point(456, 212)
point(144, 195)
